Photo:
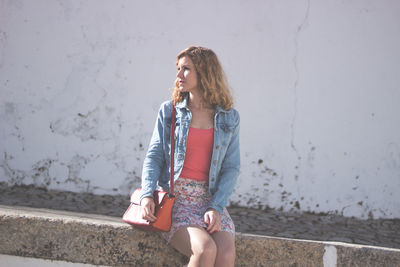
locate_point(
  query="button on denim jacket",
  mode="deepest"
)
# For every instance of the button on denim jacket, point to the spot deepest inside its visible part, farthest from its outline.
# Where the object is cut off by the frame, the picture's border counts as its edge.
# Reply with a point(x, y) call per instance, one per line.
point(225, 161)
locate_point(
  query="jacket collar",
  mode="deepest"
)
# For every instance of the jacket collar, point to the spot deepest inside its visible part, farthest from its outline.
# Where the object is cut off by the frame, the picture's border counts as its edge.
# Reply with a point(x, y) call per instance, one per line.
point(184, 104)
point(220, 109)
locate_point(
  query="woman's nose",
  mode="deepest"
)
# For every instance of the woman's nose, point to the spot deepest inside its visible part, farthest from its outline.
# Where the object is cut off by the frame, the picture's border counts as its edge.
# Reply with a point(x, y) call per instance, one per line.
point(179, 74)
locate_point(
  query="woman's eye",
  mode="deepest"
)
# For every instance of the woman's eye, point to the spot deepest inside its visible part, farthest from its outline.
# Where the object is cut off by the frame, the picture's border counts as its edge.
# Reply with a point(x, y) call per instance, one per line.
point(184, 68)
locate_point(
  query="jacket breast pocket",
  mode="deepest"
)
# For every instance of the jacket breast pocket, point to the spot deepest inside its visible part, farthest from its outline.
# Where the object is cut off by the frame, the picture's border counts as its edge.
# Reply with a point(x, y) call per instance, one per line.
point(225, 134)
point(226, 128)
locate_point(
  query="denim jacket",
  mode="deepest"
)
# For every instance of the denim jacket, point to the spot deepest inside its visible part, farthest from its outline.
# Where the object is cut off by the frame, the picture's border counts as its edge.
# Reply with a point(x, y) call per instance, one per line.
point(225, 161)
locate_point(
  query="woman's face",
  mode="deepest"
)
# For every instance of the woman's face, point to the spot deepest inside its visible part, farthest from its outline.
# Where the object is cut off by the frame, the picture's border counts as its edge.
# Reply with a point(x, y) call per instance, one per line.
point(186, 75)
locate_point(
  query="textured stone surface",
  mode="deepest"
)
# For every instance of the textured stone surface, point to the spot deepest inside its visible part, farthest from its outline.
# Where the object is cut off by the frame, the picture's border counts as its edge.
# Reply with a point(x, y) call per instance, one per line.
point(80, 238)
point(255, 250)
point(367, 256)
point(322, 227)
point(105, 240)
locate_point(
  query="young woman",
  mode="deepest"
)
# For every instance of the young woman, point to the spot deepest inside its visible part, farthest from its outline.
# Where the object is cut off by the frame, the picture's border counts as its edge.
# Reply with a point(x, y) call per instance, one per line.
point(207, 160)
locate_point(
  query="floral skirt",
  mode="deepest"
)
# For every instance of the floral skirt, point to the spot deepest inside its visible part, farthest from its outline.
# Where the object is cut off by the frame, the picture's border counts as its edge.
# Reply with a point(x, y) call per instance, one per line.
point(191, 201)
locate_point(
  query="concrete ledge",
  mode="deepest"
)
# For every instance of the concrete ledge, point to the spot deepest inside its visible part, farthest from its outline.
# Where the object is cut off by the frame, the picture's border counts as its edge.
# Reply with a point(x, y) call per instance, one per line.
point(104, 240)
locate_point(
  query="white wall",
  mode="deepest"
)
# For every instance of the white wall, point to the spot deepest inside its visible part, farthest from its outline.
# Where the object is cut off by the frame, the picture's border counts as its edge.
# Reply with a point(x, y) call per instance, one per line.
point(316, 83)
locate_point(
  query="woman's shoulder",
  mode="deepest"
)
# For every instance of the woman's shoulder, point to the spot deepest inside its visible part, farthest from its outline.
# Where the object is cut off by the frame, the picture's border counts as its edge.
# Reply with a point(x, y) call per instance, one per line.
point(230, 112)
point(166, 107)
point(235, 116)
point(231, 115)
point(166, 104)
point(234, 113)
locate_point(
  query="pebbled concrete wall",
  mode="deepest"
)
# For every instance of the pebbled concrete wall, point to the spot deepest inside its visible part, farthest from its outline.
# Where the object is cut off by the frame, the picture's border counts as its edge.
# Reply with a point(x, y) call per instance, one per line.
point(105, 240)
point(316, 84)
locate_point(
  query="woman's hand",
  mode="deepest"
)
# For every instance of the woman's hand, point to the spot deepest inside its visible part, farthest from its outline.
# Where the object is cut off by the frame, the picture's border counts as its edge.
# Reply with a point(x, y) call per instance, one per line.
point(148, 209)
point(212, 220)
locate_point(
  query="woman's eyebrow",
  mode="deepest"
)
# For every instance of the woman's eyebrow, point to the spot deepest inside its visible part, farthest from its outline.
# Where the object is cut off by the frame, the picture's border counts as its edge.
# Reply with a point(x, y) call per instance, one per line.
point(184, 65)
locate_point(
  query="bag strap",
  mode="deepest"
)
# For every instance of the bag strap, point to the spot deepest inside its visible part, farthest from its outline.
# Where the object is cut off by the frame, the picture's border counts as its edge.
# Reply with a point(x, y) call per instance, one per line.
point(171, 188)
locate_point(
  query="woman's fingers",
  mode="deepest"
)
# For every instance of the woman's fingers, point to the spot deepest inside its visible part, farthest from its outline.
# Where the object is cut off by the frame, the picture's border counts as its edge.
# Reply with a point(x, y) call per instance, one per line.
point(149, 215)
point(211, 225)
point(148, 209)
point(207, 219)
point(213, 221)
point(215, 227)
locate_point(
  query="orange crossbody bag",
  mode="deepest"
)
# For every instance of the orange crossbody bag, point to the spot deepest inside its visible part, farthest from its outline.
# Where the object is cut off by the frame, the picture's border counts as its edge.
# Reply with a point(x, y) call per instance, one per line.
point(163, 200)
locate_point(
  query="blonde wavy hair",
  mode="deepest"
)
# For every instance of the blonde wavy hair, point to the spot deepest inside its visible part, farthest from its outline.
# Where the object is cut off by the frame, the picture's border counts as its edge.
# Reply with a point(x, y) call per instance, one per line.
point(210, 76)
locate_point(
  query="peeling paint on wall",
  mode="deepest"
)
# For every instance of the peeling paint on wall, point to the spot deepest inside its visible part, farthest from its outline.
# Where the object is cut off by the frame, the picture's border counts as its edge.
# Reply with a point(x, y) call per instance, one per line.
point(90, 125)
point(318, 103)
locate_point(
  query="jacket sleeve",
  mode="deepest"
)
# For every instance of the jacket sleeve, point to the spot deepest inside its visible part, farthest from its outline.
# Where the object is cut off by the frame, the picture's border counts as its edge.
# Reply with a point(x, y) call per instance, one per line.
point(154, 161)
point(229, 171)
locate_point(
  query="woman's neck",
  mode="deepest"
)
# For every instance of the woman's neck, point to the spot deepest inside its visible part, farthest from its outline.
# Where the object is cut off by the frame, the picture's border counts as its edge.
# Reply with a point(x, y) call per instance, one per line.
point(197, 101)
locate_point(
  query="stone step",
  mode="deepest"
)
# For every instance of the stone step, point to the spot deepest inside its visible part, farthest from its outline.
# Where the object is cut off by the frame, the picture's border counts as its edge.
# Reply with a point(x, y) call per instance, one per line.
point(105, 240)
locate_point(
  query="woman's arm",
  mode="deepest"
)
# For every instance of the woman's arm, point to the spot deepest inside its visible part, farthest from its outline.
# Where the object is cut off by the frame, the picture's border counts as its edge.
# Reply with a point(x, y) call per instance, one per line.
point(229, 171)
point(154, 161)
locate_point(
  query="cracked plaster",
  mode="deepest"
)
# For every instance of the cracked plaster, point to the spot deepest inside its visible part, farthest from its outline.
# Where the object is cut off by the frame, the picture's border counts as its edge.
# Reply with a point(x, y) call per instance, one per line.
point(77, 109)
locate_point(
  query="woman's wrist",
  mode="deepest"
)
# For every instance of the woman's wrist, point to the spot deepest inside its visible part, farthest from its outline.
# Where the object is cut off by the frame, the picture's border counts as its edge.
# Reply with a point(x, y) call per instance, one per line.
point(146, 199)
point(212, 209)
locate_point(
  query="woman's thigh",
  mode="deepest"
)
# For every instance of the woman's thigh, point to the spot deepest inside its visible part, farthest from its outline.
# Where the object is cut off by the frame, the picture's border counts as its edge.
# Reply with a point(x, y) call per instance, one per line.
point(191, 240)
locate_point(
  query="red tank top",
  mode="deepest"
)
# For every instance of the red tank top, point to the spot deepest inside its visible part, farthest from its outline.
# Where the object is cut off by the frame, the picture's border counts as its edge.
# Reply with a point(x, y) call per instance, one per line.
point(199, 147)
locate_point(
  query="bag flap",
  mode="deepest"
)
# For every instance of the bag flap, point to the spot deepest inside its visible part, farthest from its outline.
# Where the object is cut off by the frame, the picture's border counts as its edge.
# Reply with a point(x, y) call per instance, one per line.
point(158, 196)
point(135, 197)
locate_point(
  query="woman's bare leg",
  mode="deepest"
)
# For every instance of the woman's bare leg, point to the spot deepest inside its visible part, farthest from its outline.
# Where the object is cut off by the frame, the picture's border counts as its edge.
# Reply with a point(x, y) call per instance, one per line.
point(197, 244)
point(226, 252)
